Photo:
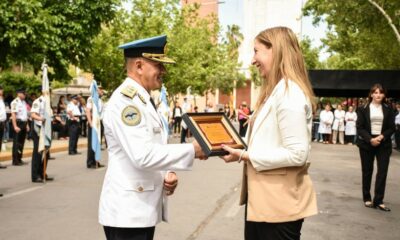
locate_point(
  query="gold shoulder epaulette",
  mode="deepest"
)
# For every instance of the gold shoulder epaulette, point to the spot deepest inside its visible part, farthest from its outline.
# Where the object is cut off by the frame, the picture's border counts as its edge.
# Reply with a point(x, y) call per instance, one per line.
point(129, 91)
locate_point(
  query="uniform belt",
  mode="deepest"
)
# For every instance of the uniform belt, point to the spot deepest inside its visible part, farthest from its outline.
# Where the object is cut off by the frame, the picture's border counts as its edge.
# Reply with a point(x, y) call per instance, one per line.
point(18, 120)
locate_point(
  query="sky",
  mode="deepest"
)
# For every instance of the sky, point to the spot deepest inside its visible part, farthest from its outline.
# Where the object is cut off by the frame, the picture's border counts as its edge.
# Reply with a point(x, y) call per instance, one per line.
point(231, 12)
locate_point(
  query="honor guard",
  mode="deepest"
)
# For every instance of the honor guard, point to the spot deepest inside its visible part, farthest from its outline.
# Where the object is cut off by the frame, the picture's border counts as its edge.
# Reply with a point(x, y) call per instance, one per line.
point(91, 161)
point(139, 177)
point(38, 117)
point(3, 119)
point(19, 117)
point(73, 114)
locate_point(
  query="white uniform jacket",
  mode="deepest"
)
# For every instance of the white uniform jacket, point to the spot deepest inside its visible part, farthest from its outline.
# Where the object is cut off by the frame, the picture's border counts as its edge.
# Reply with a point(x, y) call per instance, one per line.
point(338, 123)
point(351, 119)
point(139, 156)
point(325, 122)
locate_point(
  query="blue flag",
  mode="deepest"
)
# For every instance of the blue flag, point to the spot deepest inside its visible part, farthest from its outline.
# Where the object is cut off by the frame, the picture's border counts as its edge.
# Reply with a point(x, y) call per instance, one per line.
point(163, 109)
point(96, 125)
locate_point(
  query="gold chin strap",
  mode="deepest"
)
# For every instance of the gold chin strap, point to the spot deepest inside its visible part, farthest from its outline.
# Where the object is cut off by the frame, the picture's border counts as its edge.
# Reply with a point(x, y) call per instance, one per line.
point(153, 55)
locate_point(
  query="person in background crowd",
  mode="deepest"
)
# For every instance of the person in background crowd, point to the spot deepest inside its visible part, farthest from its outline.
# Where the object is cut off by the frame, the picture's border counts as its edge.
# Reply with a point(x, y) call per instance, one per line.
point(375, 126)
point(59, 125)
point(186, 108)
point(243, 116)
point(19, 116)
point(62, 108)
point(350, 129)
point(83, 119)
point(317, 136)
point(3, 119)
point(325, 124)
point(74, 115)
point(209, 107)
point(397, 123)
point(177, 118)
point(196, 109)
point(338, 124)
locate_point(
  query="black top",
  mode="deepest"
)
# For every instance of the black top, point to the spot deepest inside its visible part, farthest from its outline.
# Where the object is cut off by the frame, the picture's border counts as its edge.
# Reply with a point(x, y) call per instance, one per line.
point(364, 126)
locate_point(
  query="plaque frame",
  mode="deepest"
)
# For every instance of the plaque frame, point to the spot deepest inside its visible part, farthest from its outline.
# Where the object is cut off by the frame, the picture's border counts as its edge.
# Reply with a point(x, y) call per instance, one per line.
point(193, 121)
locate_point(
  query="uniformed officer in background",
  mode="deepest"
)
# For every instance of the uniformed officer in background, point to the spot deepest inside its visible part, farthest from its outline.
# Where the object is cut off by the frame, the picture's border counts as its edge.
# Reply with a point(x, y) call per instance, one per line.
point(139, 174)
point(91, 161)
point(37, 115)
point(19, 118)
point(73, 114)
point(3, 119)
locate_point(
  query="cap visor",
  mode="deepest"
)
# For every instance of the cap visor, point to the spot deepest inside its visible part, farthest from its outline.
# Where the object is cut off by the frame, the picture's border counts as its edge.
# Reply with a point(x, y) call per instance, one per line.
point(165, 60)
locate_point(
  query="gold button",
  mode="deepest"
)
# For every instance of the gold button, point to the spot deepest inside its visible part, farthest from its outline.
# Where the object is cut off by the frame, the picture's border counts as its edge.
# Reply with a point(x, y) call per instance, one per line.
point(140, 189)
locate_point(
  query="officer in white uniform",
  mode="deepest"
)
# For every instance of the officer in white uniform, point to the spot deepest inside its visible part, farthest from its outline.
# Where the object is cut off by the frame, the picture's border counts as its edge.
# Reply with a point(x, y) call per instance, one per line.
point(73, 114)
point(37, 114)
point(19, 116)
point(91, 161)
point(3, 119)
point(138, 179)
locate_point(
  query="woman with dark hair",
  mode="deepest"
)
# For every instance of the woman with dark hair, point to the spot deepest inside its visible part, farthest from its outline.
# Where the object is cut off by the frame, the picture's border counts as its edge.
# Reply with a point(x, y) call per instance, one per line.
point(375, 126)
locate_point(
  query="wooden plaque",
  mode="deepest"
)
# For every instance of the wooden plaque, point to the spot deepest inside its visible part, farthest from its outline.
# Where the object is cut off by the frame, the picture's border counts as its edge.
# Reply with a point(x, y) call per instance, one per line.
point(211, 130)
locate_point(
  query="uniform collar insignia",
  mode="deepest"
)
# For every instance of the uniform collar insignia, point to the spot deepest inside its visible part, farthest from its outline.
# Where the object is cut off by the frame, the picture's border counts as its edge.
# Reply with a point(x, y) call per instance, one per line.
point(142, 99)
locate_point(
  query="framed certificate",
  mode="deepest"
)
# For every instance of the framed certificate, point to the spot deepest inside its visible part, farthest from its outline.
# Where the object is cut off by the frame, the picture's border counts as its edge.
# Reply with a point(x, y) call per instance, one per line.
point(211, 130)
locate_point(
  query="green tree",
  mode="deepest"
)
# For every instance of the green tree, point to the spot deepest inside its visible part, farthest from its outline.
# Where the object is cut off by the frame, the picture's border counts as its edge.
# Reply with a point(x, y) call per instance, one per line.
point(359, 34)
point(310, 54)
point(60, 31)
point(202, 62)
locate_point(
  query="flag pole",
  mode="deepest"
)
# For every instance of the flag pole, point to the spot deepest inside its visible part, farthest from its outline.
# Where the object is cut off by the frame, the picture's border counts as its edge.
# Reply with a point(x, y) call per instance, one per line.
point(44, 163)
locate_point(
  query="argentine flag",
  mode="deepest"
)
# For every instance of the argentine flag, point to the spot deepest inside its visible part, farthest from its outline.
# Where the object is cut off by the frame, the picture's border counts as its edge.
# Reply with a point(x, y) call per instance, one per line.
point(163, 109)
point(45, 131)
point(96, 129)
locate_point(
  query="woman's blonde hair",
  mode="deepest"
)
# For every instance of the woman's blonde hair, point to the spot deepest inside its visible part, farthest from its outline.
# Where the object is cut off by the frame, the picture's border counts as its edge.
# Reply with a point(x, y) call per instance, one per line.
point(287, 63)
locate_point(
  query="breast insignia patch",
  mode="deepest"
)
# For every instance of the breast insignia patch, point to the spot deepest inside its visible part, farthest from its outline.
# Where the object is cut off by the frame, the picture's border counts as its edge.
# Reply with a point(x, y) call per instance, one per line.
point(131, 116)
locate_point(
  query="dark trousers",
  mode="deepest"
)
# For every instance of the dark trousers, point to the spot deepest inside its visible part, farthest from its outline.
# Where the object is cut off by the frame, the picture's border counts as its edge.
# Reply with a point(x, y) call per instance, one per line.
point(18, 142)
point(2, 126)
point(326, 137)
point(114, 233)
point(242, 127)
point(397, 137)
point(90, 160)
point(184, 134)
point(349, 138)
point(73, 131)
point(382, 155)
point(273, 231)
point(83, 129)
point(177, 124)
point(37, 163)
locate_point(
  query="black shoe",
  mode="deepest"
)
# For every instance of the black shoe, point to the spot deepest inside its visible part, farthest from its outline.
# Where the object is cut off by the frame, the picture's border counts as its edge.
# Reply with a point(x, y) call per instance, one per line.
point(71, 153)
point(18, 164)
point(77, 153)
point(368, 204)
point(51, 158)
point(382, 207)
point(3, 167)
point(23, 162)
point(49, 178)
point(100, 165)
point(92, 166)
point(1, 194)
point(37, 180)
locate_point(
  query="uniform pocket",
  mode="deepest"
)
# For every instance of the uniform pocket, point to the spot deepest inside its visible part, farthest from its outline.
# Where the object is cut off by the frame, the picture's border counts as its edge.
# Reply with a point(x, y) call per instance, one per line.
point(141, 186)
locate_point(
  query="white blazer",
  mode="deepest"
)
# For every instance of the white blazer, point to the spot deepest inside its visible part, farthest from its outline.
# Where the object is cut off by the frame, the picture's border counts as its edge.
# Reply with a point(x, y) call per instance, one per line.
point(281, 133)
point(139, 156)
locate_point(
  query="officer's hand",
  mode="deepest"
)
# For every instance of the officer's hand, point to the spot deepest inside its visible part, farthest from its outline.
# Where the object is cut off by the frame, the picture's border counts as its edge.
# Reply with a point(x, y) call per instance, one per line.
point(170, 183)
point(17, 129)
point(198, 152)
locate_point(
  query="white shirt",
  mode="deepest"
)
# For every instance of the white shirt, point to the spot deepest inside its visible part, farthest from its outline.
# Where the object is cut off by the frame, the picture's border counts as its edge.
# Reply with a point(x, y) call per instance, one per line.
point(178, 112)
point(376, 116)
point(38, 107)
point(397, 120)
point(74, 109)
point(90, 103)
point(19, 107)
point(3, 113)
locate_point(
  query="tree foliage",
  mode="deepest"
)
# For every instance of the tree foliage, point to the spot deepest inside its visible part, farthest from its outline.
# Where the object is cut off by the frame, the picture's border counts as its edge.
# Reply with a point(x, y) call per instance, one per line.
point(202, 62)
point(359, 35)
point(60, 31)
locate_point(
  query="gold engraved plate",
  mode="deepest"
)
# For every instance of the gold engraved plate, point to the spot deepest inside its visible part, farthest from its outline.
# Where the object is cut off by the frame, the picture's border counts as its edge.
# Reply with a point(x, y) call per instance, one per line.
point(131, 116)
point(216, 133)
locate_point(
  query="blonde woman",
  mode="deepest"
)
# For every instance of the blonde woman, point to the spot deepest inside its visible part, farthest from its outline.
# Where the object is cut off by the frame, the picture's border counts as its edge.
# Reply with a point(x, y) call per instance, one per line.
point(277, 189)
